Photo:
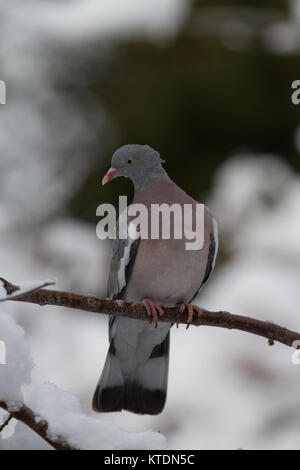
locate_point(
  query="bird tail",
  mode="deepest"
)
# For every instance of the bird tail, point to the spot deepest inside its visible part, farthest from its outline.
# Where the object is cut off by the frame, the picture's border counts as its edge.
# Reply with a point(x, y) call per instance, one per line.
point(143, 391)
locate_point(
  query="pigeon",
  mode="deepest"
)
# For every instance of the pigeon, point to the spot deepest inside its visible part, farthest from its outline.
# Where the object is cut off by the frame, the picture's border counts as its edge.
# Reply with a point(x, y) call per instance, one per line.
point(158, 272)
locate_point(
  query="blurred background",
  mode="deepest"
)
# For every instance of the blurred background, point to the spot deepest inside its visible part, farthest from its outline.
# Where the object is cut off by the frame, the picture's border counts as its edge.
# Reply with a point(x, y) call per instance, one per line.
point(208, 84)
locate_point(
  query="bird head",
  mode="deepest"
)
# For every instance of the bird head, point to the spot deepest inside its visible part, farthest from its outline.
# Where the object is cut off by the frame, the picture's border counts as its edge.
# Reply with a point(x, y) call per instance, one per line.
point(137, 162)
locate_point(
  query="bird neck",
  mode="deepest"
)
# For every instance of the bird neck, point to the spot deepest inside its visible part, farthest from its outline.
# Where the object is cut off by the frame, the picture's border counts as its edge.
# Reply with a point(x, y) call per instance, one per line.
point(149, 179)
point(156, 185)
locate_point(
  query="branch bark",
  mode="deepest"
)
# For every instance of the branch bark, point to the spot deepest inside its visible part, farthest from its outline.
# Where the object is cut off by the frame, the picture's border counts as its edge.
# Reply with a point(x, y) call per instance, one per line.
point(221, 319)
point(37, 424)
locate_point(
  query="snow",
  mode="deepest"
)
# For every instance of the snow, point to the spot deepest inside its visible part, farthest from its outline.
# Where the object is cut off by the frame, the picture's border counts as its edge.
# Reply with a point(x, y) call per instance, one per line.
point(23, 438)
point(63, 412)
point(243, 186)
point(84, 19)
point(65, 418)
point(19, 363)
point(61, 409)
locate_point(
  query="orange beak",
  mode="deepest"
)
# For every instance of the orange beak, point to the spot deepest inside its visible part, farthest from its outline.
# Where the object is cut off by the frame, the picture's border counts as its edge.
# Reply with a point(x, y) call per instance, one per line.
point(109, 175)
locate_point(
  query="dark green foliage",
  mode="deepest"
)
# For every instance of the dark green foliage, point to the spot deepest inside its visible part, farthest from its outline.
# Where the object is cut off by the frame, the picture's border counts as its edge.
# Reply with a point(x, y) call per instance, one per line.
point(195, 101)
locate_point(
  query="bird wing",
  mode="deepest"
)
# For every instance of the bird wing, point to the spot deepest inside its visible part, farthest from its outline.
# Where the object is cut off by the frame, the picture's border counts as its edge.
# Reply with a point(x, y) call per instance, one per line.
point(124, 252)
point(211, 253)
point(122, 260)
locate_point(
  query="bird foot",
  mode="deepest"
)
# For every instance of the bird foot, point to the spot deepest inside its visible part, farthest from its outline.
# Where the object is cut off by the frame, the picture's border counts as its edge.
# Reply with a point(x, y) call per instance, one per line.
point(191, 309)
point(153, 309)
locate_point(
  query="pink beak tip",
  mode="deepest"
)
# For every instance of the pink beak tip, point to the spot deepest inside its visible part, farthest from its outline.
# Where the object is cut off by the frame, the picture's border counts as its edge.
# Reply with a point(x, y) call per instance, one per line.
point(109, 175)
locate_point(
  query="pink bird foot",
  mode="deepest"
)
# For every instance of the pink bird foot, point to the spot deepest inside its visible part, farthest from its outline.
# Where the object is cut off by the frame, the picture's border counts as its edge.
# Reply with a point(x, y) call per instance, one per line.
point(191, 310)
point(153, 309)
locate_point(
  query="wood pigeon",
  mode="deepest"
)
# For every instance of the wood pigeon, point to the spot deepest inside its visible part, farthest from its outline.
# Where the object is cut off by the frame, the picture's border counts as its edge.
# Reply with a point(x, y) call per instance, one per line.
point(156, 272)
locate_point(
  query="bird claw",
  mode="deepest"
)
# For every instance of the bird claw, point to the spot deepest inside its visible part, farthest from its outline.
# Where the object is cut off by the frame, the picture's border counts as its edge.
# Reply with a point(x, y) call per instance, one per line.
point(191, 309)
point(153, 310)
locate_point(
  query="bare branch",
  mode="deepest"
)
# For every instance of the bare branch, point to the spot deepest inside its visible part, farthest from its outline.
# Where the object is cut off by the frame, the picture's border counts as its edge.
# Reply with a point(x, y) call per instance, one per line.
point(221, 319)
point(37, 424)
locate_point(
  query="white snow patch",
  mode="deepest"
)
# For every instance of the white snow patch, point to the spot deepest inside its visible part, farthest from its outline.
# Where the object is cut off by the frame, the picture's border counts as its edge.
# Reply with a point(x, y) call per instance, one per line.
point(17, 369)
point(63, 412)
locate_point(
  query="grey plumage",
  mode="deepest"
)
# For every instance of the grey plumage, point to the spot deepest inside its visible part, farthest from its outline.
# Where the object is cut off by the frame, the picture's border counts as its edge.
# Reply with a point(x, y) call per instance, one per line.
point(135, 373)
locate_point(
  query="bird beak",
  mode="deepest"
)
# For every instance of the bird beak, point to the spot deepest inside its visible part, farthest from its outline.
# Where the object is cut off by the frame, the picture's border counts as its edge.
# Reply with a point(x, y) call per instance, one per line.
point(109, 175)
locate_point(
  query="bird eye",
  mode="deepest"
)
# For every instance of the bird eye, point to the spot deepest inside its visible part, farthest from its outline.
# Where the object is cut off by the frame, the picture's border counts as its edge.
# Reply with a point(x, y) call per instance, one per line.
point(129, 161)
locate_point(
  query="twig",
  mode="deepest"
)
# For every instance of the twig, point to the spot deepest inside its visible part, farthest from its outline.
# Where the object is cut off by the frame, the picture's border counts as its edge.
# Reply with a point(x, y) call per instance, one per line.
point(6, 422)
point(221, 319)
point(37, 424)
point(14, 292)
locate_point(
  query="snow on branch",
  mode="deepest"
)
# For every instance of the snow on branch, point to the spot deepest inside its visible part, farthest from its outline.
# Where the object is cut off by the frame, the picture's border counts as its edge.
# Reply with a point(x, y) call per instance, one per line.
point(56, 416)
point(39, 425)
point(221, 319)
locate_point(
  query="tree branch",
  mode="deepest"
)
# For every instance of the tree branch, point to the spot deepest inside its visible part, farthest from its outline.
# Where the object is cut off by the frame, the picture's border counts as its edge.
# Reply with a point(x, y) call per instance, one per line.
point(37, 424)
point(221, 319)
